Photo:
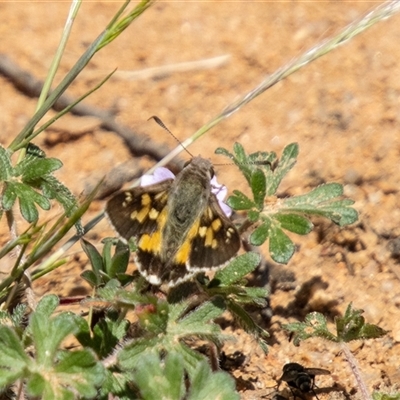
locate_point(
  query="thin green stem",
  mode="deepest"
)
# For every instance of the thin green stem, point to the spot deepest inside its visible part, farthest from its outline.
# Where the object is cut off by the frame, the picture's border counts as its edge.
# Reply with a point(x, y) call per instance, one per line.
point(64, 111)
point(111, 32)
point(60, 50)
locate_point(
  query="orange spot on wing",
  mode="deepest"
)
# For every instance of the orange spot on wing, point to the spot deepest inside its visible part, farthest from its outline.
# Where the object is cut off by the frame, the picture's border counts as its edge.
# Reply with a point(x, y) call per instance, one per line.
point(152, 242)
point(183, 253)
point(142, 214)
point(209, 237)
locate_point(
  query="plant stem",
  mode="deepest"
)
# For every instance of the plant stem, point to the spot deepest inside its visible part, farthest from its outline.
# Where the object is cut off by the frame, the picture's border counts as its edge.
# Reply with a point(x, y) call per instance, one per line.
point(356, 371)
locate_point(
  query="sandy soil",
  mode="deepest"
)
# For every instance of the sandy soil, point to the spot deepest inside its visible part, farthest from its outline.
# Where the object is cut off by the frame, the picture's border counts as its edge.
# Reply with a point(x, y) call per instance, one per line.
point(343, 110)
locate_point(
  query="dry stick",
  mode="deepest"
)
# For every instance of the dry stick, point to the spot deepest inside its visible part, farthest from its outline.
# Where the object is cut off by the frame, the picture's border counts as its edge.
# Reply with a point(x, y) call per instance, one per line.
point(138, 144)
point(356, 371)
point(164, 70)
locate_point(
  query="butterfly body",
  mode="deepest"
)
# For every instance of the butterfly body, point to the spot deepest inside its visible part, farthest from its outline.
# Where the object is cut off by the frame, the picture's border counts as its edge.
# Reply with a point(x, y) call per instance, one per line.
point(180, 228)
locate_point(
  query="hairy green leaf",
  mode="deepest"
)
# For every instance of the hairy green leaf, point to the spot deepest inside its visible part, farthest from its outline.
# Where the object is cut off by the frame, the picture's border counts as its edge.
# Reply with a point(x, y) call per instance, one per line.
point(323, 201)
point(284, 165)
point(237, 269)
point(258, 187)
point(294, 223)
point(208, 311)
point(315, 325)
point(79, 371)
point(208, 385)
point(239, 201)
point(261, 233)
point(352, 326)
point(6, 169)
point(13, 359)
point(9, 196)
point(48, 332)
point(281, 248)
point(27, 199)
point(39, 167)
point(169, 376)
point(248, 323)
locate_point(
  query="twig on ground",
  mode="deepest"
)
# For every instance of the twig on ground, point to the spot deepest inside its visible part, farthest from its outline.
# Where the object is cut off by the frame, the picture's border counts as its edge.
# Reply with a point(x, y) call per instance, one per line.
point(138, 144)
point(164, 70)
point(114, 179)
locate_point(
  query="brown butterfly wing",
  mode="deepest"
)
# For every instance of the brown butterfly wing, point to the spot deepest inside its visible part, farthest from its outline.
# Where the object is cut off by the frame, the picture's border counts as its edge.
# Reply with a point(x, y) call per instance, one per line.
point(216, 241)
point(135, 211)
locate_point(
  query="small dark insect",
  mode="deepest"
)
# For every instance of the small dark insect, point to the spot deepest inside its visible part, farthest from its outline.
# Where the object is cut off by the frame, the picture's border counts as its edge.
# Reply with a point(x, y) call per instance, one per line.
point(278, 396)
point(300, 378)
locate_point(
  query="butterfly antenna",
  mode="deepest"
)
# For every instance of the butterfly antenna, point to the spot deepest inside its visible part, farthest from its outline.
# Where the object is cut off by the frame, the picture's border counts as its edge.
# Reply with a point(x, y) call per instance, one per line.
point(159, 122)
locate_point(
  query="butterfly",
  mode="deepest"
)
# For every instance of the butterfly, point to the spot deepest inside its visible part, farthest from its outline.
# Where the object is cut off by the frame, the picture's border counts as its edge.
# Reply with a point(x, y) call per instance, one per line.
point(179, 225)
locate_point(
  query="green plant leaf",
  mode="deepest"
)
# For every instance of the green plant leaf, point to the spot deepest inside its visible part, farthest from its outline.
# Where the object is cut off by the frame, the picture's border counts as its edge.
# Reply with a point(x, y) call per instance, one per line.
point(261, 233)
point(48, 332)
point(236, 269)
point(16, 318)
point(224, 152)
point(239, 201)
point(352, 326)
point(95, 259)
point(262, 159)
point(281, 248)
point(240, 160)
point(79, 371)
point(324, 201)
point(130, 356)
point(13, 359)
point(294, 223)
point(9, 196)
point(119, 384)
point(208, 385)
point(53, 189)
point(208, 311)
point(166, 326)
point(385, 396)
point(253, 216)
point(249, 164)
point(315, 325)
point(120, 260)
point(90, 277)
point(38, 168)
point(105, 335)
point(169, 377)
point(258, 186)
point(55, 373)
point(36, 385)
point(6, 169)
point(240, 154)
point(248, 323)
point(27, 199)
point(285, 164)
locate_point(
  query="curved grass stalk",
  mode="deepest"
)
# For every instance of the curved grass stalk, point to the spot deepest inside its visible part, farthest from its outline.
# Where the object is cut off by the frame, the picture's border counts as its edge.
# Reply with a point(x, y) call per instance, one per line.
point(60, 51)
point(113, 30)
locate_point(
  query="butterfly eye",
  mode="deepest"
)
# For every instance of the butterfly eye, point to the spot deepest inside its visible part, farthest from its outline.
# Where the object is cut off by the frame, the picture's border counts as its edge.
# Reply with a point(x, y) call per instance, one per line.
point(187, 163)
